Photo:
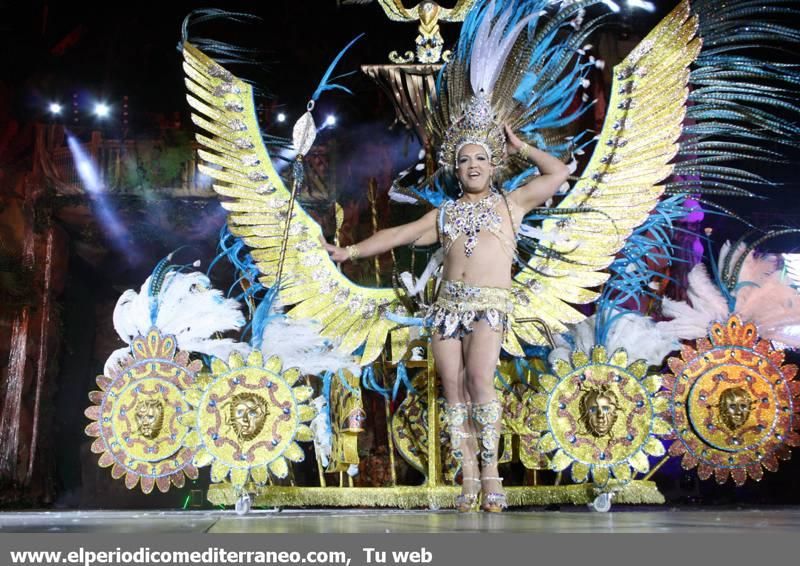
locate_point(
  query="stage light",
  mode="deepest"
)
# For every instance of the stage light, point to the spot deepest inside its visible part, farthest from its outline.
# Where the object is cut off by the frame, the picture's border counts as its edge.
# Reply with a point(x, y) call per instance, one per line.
point(643, 4)
point(54, 108)
point(330, 121)
point(92, 182)
point(101, 110)
point(281, 117)
point(88, 173)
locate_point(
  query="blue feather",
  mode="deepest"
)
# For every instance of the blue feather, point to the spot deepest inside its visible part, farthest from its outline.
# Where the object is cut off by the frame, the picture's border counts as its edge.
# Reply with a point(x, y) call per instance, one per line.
point(324, 85)
point(630, 274)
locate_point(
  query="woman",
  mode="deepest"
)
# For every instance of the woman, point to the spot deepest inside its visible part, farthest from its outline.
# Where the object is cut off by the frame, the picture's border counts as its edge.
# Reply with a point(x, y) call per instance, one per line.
point(478, 233)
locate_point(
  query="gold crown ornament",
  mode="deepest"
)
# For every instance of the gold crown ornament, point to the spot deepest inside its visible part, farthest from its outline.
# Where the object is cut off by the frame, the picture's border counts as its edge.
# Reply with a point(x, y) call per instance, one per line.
point(477, 125)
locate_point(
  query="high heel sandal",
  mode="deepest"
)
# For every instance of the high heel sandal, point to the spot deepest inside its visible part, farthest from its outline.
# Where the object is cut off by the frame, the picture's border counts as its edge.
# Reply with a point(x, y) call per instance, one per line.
point(455, 418)
point(467, 502)
point(493, 502)
point(487, 416)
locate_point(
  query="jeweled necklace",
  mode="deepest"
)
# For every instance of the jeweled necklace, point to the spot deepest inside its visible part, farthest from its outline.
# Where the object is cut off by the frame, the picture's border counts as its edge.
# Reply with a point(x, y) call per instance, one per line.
point(469, 218)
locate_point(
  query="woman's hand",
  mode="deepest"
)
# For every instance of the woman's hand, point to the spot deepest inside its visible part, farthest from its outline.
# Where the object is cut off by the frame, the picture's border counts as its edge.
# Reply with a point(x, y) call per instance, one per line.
point(337, 254)
point(513, 143)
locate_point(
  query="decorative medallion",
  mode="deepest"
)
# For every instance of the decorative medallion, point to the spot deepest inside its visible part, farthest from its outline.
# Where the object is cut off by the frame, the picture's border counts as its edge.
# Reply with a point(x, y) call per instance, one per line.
point(600, 416)
point(517, 421)
point(514, 391)
point(139, 415)
point(249, 418)
point(410, 429)
point(733, 404)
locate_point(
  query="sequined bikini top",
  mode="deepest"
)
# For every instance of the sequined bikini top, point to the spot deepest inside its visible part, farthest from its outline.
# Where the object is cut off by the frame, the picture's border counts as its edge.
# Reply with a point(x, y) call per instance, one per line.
point(463, 218)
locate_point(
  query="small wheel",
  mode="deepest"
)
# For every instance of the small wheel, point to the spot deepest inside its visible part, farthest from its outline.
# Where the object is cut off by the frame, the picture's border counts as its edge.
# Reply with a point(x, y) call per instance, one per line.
point(243, 504)
point(601, 503)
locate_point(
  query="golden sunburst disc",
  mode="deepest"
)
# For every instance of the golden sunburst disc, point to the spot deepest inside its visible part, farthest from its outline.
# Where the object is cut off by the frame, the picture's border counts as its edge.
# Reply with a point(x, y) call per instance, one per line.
point(733, 404)
point(138, 415)
point(600, 416)
point(249, 418)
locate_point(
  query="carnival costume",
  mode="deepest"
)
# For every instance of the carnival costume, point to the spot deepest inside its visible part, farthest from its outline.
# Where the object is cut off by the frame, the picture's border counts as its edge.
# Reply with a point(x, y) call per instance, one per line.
point(459, 304)
point(519, 63)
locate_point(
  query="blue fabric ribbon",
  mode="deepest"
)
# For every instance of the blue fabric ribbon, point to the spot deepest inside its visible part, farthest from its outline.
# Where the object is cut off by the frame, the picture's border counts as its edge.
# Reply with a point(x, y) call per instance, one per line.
point(370, 383)
point(402, 379)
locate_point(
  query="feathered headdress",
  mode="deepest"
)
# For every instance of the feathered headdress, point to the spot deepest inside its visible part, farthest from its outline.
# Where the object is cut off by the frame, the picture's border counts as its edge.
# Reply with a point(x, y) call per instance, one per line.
point(476, 126)
point(495, 36)
point(517, 63)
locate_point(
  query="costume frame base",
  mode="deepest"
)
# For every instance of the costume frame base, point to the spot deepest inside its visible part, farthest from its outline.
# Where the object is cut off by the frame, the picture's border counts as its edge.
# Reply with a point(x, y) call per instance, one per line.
point(441, 497)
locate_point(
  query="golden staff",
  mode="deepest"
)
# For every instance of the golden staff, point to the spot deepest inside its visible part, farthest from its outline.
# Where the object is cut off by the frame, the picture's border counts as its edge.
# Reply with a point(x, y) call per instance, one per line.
point(657, 467)
point(298, 167)
point(542, 326)
point(303, 135)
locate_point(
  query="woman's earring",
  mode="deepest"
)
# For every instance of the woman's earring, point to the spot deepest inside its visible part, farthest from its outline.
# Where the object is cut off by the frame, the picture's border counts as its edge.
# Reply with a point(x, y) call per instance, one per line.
point(460, 189)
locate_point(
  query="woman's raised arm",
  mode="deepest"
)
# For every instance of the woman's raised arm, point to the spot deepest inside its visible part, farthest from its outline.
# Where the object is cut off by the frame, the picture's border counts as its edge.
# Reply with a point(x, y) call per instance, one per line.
point(553, 174)
point(422, 232)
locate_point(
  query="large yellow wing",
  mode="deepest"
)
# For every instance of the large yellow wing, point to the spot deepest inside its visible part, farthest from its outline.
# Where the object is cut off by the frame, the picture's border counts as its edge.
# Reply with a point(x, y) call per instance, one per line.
point(257, 202)
point(620, 186)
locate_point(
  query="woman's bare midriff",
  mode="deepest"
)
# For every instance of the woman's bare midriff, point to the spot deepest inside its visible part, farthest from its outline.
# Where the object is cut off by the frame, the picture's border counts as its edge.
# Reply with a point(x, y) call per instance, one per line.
point(488, 266)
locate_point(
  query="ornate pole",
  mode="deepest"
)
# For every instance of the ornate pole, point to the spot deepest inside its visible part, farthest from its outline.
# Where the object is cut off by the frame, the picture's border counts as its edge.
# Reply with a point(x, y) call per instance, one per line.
point(44, 338)
point(15, 380)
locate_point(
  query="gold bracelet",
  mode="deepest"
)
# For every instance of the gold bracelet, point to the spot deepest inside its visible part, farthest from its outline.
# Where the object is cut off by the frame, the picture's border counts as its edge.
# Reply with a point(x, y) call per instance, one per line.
point(353, 253)
point(524, 150)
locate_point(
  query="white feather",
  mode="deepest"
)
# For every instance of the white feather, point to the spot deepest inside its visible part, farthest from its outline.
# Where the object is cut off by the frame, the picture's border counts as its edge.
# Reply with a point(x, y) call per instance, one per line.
point(188, 308)
point(323, 442)
point(775, 308)
point(299, 344)
point(581, 338)
point(692, 321)
point(756, 269)
point(704, 294)
point(131, 314)
point(762, 297)
point(114, 361)
point(642, 338)
point(639, 335)
point(687, 323)
point(491, 48)
point(562, 349)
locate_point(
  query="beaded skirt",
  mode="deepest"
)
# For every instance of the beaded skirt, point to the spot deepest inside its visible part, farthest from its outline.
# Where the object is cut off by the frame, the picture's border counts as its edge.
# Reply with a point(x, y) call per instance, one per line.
point(459, 306)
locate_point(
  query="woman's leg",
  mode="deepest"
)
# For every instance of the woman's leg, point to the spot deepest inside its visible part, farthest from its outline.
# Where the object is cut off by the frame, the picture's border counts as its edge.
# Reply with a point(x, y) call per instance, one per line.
point(481, 352)
point(450, 365)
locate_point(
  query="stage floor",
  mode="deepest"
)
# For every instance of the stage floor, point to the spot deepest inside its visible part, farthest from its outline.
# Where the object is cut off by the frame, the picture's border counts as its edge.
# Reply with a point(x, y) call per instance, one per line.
point(567, 519)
